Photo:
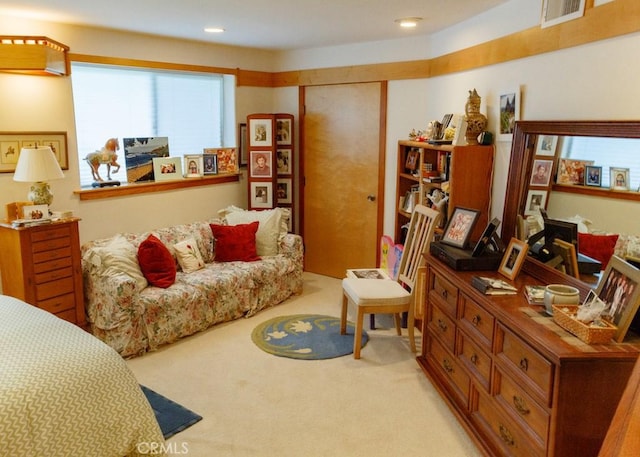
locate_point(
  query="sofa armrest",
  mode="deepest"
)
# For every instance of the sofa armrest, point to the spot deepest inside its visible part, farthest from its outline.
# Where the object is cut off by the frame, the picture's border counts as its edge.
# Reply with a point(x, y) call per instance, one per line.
point(291, 245)
point(110, 300)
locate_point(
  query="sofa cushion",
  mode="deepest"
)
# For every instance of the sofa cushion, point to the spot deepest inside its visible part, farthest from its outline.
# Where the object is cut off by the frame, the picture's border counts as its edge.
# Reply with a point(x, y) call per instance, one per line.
point(156, 262)
point(272, 226)
point(599, 247)
point(116, 257)
point(188, 255)
point(235, 242)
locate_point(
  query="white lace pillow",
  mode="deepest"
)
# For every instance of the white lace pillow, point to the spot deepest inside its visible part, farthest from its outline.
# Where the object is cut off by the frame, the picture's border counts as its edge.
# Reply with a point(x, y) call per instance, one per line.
point(188, 255)
point(119, 256)
point(272, 225)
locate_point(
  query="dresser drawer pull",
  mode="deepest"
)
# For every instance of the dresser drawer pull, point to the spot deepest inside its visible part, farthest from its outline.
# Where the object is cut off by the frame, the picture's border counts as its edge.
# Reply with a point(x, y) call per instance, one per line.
point(476, 320)
point(442, 325)
point(506, 435)
point(444, 293)
point(474, 359)
point(524, 364)
point(447, 366)
point(521, 405)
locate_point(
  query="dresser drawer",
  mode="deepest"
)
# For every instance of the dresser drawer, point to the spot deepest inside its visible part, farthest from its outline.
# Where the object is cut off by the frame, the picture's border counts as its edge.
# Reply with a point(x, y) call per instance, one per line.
point(443, 292)
point(526, 363)
point(45, 256)
point(443, 327)
point(48, 245)
point(55, 264)
point(506, 434)
point(477, 321)
point(58, 304)
point(50, 233)
point(476, 360)
point(516, 401)
point(450, 369)
point(54, 288)
point(53, 275)
point(68, 315)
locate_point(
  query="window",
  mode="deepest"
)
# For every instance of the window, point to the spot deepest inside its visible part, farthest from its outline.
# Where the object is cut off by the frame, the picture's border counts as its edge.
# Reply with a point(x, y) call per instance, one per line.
point(194, 110)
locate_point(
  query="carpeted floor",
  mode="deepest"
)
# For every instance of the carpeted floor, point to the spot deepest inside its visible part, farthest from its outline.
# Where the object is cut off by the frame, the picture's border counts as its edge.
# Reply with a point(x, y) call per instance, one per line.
point(256, 405)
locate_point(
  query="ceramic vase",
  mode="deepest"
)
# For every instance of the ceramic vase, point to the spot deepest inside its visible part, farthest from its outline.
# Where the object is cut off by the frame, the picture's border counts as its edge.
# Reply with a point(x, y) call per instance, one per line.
point(476, 121)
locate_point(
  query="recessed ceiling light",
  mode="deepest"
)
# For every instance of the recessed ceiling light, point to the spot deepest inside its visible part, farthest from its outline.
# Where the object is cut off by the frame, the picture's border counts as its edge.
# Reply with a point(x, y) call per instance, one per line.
point(214, 29)
point(408, 22)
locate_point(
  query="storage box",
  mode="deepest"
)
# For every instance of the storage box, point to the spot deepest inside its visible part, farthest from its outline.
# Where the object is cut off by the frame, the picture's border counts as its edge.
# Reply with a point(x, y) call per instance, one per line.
point(564, 316)
point(462, 260)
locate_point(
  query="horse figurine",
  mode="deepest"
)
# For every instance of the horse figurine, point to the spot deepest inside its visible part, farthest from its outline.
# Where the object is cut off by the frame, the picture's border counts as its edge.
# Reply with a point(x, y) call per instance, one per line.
point(106, 155)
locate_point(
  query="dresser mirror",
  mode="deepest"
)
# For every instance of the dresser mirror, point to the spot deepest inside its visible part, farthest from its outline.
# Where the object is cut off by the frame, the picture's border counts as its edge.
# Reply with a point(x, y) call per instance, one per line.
point(538, 142)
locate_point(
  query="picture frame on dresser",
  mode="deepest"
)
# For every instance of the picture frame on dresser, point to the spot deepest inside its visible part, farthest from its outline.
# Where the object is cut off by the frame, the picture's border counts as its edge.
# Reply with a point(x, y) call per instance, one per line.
point(460, 226)
point(513, 258)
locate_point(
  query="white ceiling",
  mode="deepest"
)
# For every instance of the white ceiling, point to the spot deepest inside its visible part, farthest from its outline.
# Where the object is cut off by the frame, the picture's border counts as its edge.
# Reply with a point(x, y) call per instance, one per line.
point(266, 24)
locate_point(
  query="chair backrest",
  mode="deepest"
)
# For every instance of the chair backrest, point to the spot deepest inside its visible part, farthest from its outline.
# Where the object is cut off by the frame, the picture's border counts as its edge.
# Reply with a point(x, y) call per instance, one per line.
point(421, 227)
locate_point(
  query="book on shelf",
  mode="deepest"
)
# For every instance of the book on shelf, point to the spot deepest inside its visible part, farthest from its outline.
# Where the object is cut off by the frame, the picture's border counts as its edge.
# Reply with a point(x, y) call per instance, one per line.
point(368, 273)
point(534, 294)
point(493, 286)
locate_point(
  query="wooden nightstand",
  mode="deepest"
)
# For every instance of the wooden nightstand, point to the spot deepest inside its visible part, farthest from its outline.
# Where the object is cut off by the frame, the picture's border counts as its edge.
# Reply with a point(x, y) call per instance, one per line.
point(41, 265)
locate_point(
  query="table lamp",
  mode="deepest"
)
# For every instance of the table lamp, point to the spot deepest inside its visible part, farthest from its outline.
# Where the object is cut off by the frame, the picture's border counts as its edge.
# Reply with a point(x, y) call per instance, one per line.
point(38, 165)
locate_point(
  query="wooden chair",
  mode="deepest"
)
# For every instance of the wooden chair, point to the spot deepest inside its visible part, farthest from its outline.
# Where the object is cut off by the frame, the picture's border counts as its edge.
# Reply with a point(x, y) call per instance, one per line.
point(384, 296)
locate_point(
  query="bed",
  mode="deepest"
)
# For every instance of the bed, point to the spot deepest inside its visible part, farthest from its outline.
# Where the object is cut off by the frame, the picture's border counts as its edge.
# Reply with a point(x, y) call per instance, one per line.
point(63, 392)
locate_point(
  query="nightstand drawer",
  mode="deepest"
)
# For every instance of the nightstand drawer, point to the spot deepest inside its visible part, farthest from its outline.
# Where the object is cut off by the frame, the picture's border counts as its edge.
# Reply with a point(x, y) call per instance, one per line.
point(53, 275)
point(48, 245)
point(54, 288)
point(49, 233)
point(55, 264)
point(52, 255)
point(443, 327)
point(58, 304)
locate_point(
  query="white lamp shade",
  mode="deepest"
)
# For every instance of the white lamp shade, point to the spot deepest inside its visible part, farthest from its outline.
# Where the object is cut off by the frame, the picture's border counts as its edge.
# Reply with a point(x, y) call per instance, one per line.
point(37, 165)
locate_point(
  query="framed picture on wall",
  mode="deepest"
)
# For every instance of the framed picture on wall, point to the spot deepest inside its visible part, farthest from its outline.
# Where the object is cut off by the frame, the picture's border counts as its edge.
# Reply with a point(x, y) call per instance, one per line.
point(242, 141)
point(284, 190)
point(509, 103)
point(283, 131)
point(260, 132)
point(261, 195)
point(284, 161)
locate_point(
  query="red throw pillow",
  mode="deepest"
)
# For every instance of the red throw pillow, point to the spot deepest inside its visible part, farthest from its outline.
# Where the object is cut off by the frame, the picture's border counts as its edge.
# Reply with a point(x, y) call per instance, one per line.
point(599, 247)
point(156, 262)
point(235, 242)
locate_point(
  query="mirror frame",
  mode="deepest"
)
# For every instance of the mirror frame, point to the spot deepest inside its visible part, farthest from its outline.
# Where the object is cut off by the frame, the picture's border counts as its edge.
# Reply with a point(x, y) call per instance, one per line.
point(521, 164)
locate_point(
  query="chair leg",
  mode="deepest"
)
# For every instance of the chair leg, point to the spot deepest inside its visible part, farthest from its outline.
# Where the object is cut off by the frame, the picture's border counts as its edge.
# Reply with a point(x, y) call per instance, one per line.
point(398, 321)
point(357, 336)
point(343, 315)
point(372, 321)
point(411, 325)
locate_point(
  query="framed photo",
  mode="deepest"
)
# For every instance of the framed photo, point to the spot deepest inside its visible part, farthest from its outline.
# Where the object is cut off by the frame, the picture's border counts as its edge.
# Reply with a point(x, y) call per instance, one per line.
point(12, 142)
point(242, 142)
point(261, 195)
point(557, 11)
point(619, 178)
point(460, 226)
point(227, 159)
point(541, 173)
point(546, 145)
point(592, 176)
point(260, 132)
point(284, 190)
point(619, 288)
point(35, 212)
point(167, 168)
point(567, 251)
point(194, 165)
point(411, 163)
point(284, 161)
point(513, 258)
point(283, 131)
point(139, 155)
point(571, 171)
point(260, 165)
point(486, 236)
point(536, 200)
point(509, 102)
point(210, 164)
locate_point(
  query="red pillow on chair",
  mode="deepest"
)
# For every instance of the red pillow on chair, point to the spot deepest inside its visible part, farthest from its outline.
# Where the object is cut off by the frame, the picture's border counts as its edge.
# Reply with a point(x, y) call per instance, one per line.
point(156, 262)
point(599, 247)
point(235, 242)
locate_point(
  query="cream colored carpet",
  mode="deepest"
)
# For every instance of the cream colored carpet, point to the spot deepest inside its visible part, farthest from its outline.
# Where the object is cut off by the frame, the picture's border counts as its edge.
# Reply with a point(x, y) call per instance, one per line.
point(257, 404)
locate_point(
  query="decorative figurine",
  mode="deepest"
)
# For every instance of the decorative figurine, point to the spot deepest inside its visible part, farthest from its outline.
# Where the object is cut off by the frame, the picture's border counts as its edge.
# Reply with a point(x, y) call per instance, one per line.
point(476, 121)
point(107, 155)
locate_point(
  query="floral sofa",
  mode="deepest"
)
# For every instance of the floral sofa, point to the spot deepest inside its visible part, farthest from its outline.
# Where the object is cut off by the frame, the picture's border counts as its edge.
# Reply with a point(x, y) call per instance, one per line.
point(129, 313)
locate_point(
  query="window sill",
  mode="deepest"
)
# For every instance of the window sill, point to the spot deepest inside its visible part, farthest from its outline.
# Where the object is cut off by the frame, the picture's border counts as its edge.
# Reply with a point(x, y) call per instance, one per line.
point(599, 192)
point(124, 188)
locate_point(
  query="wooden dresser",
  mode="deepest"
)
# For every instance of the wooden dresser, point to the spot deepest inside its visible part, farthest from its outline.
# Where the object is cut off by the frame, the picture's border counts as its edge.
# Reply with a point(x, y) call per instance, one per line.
point(41, 265)
point(517, 382)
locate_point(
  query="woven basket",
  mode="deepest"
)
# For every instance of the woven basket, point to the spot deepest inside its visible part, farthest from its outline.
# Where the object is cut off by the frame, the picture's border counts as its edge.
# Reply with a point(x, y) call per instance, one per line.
point(563, 315)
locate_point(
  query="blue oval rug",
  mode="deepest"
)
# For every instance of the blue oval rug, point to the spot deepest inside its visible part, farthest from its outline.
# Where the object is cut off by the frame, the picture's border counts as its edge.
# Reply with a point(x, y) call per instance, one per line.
point(305, 336)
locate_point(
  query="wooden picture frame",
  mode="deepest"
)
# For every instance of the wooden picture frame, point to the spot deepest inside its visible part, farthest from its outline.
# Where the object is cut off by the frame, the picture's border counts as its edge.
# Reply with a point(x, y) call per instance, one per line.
point(485, 238)
point(619, 288)
point(546, 145)
point(593, 176)
point(284, 190)
point(283, 131)
point(260, 132)
point(210, 164)
point(167, 168)
point(509, 113)
point(411, 164)
point(513, 258)
point(460, 227)
point(619, 178)
point(262, 195)
point(194, 165)
point(12, 142)
point(242, 145)
point(567, 251)
point(541, 172)
point(536, 199)
point(260, 164)
point(284, 161)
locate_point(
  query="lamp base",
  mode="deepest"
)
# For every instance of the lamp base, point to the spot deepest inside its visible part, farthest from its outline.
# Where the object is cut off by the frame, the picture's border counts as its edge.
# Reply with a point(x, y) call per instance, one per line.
point(40, 194)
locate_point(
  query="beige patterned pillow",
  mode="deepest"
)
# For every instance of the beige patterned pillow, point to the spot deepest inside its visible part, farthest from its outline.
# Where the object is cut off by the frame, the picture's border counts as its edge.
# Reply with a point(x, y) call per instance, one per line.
point(188, 255)
point(119, 256)
point(272, 226)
